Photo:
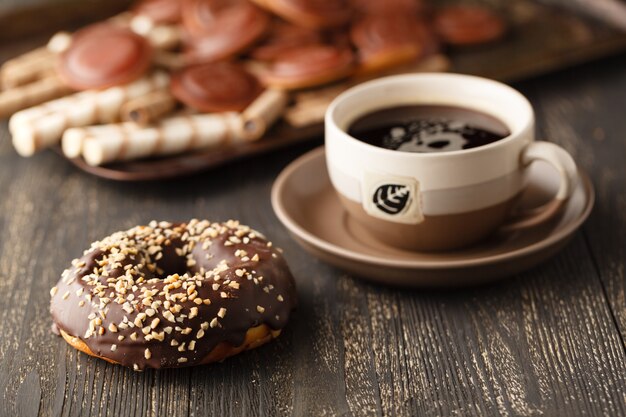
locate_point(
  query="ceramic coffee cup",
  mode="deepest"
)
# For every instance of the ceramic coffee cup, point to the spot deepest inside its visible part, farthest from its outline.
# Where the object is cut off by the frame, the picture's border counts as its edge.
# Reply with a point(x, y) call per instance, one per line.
point(445, 200)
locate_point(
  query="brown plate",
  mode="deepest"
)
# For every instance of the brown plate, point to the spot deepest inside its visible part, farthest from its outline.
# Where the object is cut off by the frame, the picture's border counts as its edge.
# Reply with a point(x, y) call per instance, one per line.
point(541, 39)
point(306, 203)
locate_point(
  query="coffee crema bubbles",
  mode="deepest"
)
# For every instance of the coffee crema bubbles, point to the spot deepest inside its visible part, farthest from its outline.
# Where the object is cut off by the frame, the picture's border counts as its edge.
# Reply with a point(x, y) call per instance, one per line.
point(428, 128)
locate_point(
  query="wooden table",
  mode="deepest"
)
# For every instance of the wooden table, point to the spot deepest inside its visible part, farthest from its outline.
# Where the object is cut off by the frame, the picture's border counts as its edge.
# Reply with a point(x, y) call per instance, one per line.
point(547, 342)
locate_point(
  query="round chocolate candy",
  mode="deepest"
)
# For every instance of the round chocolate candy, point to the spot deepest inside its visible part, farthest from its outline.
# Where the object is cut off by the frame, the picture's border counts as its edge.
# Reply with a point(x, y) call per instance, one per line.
point(104, 55)
point(217, 87)
point(468, 25)
point(219, 29)
point(283, 37)
point(386, 40)
point(309, 66)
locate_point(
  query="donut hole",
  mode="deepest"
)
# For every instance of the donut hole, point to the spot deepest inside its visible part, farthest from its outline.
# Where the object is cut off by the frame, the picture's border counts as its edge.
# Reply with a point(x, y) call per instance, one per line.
point(170, 263)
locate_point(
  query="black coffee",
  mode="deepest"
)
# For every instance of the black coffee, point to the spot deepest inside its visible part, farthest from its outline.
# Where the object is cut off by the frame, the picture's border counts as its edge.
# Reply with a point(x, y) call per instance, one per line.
point(428, 128)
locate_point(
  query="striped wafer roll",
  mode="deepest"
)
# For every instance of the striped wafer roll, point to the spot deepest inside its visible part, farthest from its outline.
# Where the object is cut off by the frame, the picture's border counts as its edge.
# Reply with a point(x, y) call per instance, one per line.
point(74, 137)
point(26, 68)
point(36, 92)
point(33, 65)
point(42, 126)
point(148, 108)
point(263, 112)
point(171, 136)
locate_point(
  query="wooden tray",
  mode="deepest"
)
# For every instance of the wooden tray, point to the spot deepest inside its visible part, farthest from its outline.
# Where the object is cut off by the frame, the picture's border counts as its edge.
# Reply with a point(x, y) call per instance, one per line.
point(543, 38)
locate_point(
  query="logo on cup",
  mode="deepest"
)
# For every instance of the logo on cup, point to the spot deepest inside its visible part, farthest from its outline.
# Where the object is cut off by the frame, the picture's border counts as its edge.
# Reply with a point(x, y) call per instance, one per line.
point(392, 198)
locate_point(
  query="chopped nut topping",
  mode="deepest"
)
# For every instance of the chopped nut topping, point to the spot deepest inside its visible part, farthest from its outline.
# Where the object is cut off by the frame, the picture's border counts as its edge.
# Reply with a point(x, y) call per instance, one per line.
point(169, 316)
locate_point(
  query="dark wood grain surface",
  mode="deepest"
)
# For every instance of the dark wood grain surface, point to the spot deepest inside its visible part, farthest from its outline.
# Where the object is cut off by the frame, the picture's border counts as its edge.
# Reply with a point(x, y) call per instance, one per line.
point(548, 342)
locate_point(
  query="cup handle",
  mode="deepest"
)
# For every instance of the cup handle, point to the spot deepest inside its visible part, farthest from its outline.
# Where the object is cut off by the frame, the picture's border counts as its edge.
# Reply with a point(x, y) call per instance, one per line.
point(568, 173)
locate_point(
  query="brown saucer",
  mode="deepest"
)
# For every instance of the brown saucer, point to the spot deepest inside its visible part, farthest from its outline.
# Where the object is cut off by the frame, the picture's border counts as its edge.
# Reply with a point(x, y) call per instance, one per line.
point(307, 205)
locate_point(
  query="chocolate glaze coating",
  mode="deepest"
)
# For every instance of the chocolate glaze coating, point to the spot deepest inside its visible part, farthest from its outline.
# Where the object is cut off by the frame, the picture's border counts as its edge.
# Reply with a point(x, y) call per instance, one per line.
point(165, 295)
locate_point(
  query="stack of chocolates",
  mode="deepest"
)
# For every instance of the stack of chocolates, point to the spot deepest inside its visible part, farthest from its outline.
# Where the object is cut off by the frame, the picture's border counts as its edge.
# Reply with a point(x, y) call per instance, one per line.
point(173, 76)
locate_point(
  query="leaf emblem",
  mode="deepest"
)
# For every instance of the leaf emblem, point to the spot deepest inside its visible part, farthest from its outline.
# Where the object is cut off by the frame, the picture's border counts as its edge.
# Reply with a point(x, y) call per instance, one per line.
point(391, 198)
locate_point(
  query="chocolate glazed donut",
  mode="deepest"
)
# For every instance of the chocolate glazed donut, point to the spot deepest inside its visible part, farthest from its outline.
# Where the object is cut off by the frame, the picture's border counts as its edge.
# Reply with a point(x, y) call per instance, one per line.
point(168, 295)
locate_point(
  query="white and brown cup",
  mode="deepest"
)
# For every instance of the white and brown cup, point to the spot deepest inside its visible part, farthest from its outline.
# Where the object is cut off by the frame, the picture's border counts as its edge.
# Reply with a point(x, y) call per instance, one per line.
point(446, 200)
